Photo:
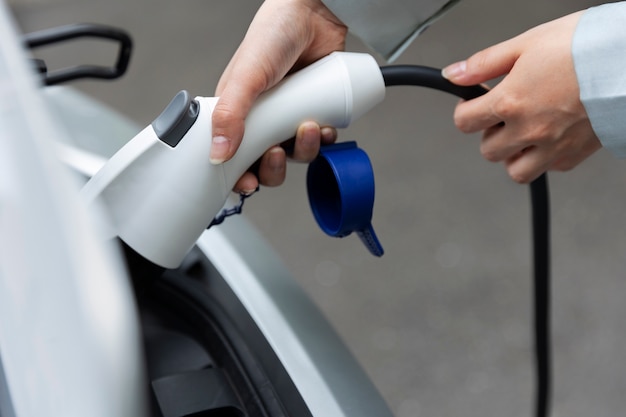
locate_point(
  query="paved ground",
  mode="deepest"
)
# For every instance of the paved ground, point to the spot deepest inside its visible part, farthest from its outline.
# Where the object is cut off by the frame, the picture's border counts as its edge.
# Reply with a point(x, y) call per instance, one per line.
point(441, 322)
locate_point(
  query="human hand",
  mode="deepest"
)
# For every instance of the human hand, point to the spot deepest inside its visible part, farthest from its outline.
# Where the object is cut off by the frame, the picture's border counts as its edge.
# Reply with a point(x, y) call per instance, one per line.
point(533, 120)
point(285, 35)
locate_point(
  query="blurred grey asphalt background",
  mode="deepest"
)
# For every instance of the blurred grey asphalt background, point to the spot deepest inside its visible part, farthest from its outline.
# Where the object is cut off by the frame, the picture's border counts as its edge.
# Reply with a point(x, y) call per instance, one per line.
point(442, 322)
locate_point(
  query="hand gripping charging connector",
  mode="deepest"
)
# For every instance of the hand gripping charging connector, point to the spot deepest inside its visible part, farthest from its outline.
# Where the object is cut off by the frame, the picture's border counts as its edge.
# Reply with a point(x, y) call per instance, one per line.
point(161, 194)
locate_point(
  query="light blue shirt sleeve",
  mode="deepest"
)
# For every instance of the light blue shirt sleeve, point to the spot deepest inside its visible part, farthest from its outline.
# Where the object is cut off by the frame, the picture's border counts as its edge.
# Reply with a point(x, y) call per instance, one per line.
point(388, 26)
point(599, 51)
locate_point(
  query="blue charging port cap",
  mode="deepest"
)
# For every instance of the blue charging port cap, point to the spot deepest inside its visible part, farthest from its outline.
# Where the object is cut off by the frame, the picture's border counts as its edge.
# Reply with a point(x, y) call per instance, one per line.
point(340, 185)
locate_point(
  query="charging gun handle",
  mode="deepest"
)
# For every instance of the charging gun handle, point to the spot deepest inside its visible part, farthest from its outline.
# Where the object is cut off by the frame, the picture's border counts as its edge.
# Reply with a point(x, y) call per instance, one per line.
point(333, 91)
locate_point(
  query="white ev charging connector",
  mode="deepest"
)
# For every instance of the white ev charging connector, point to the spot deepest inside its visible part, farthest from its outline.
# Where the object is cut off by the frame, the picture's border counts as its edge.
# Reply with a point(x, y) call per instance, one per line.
point(162, 192)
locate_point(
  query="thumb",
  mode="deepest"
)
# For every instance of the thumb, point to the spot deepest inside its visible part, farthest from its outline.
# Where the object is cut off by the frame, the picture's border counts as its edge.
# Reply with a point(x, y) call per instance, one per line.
point(238, 89)
point(228, 123)
point(483, 66)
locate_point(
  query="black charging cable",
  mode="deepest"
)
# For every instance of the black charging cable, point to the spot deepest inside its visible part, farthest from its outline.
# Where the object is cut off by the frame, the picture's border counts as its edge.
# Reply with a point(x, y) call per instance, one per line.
point(415, 75)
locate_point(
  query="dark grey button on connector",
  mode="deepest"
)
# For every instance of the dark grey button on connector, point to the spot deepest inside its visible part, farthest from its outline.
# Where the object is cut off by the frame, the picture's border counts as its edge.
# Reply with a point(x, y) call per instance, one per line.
point(177, 118)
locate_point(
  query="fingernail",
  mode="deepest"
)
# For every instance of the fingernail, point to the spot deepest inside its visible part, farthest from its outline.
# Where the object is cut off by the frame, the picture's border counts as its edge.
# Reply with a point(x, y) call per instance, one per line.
point(309, 133)
point(219, 149)
point(329, 134)
point(248, 192)
point(276, 160)
point(454, 71)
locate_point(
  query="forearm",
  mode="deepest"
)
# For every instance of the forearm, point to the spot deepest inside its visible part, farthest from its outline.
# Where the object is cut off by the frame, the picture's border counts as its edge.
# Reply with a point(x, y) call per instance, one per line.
point(388, 26)
point(599, 59)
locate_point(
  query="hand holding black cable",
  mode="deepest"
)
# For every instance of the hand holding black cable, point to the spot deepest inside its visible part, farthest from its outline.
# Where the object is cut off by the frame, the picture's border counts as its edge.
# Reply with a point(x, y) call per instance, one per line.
point(421, 76)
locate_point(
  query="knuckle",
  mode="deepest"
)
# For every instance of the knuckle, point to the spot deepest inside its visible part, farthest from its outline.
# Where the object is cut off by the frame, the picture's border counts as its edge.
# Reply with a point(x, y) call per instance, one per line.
point(223, 114)
point(539, 134)
point(477, 63)
point(506, 106)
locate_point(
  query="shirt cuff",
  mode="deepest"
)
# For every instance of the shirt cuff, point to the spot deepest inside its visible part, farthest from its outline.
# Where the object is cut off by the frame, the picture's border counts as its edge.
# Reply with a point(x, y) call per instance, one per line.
point(598, 51)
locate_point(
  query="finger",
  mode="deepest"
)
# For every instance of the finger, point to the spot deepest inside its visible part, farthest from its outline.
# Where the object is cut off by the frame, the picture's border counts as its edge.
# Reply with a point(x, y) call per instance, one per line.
point(231, 109)
point(273, 167)
point(295, 147)
point(307, 144)
point(485, 65)
point(329, 135)
point(246, 184)
point(478, 114)
point(529, 164)
point(498, 143)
